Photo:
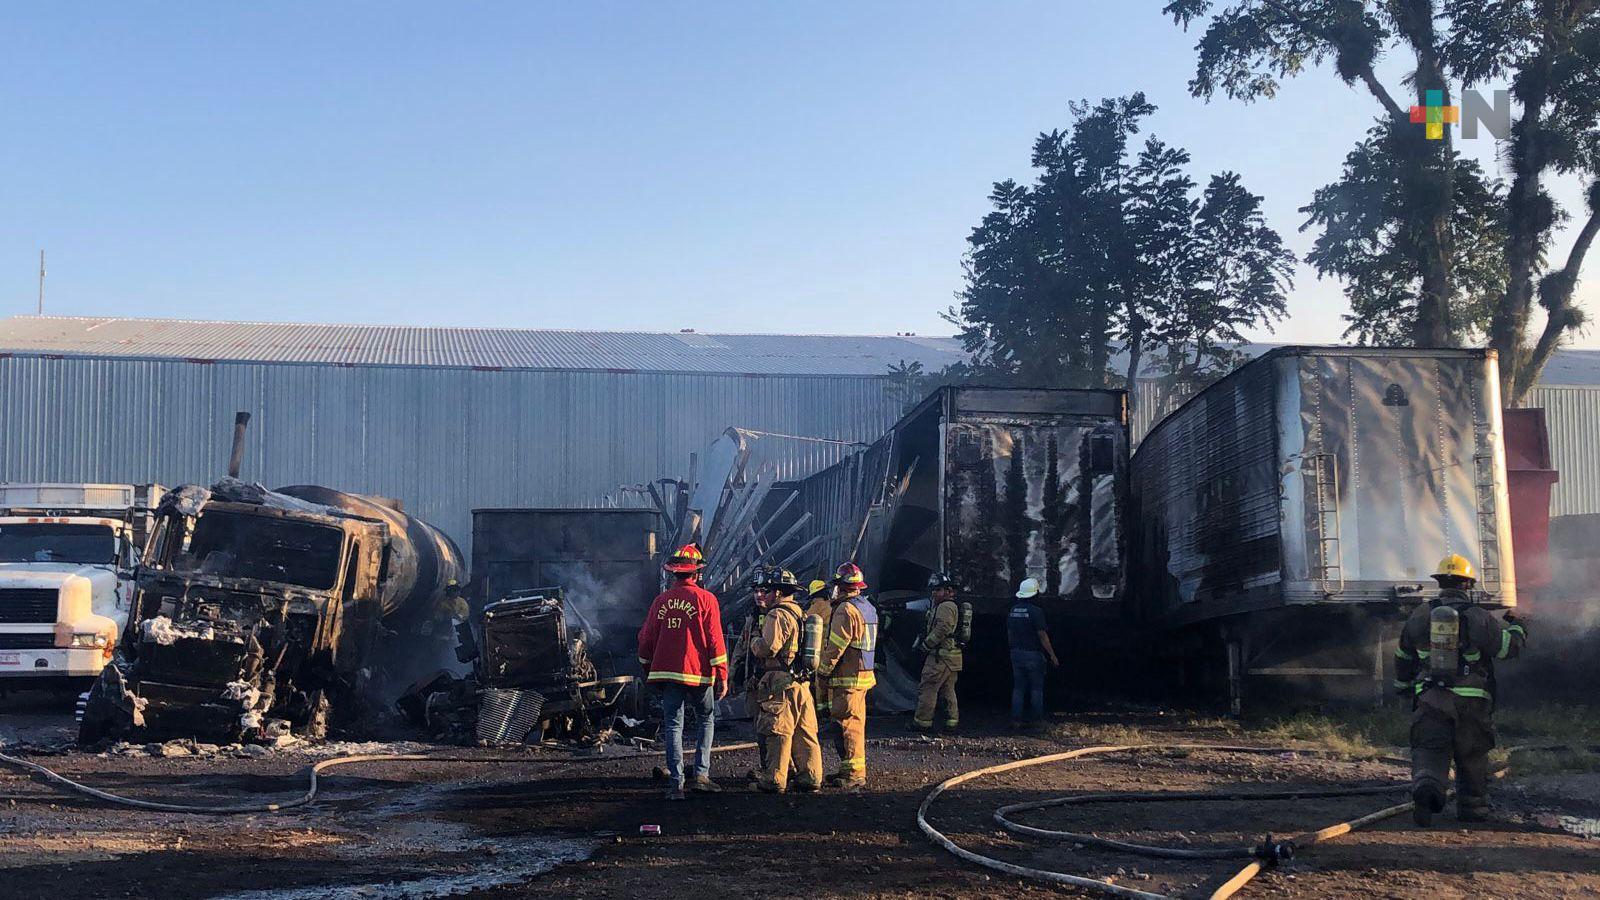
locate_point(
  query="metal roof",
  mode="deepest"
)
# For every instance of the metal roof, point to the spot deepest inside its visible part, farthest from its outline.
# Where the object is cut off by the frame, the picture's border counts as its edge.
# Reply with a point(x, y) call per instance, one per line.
point(542, 349)
point(1568, 367)
point(489, 348)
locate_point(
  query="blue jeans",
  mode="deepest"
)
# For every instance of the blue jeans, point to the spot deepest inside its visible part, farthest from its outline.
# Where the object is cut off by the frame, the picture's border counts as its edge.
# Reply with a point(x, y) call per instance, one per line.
point(674, 697)
point(1027, 684)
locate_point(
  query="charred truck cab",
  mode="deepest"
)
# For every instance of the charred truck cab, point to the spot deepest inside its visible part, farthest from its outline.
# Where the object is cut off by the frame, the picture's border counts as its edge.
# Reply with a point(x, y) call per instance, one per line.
point(255, 612)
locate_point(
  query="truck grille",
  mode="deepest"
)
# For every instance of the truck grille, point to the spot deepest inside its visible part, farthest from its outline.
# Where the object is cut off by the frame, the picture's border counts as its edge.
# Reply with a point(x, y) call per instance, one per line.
point(30, 606)
point(27, 641)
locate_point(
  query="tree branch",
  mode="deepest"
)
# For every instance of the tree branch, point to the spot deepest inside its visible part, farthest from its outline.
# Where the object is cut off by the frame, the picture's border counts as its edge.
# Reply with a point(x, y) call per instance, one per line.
point(1580, 249)
point(1559, 305)
point(1368, 76)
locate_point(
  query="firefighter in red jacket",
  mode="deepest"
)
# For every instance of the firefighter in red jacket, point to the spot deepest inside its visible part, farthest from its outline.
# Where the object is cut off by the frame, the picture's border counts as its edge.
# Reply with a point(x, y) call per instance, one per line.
point(682, 649)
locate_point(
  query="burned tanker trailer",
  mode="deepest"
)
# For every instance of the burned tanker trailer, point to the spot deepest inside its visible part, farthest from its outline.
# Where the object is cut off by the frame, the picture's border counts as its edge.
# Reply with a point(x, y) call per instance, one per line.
point(992, 485)
point(1291, 514)
point(259, 612)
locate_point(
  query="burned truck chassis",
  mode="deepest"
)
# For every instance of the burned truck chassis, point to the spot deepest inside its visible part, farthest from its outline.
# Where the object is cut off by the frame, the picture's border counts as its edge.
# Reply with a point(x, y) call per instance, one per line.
point(212, 653)
point(532, 678)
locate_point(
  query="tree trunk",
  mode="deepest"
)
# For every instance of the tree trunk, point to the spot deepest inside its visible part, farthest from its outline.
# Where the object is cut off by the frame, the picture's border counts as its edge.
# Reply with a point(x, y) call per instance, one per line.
point(1527, 220)
point(1135, 352)
point(1430, 182)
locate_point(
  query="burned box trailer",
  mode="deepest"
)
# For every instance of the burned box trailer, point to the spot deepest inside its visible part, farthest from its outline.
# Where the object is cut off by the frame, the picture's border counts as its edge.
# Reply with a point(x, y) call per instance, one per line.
point(1290, 513)
point(993, 485)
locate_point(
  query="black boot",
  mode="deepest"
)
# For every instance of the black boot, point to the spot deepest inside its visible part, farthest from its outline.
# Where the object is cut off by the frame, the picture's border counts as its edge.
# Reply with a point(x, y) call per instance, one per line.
point(1426, 799)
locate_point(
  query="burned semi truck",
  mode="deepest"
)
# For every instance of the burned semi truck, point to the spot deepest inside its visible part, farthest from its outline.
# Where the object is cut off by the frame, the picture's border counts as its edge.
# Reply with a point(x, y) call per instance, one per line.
point(1290, 514)
point(259, 612)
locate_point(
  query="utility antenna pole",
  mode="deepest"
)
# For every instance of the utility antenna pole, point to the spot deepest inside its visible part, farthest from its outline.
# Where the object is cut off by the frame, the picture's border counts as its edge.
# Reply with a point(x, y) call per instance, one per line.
point(41, 282)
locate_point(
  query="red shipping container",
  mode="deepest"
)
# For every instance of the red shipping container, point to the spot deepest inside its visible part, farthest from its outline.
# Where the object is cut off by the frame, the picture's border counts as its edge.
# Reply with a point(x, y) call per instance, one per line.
point(1529, 479)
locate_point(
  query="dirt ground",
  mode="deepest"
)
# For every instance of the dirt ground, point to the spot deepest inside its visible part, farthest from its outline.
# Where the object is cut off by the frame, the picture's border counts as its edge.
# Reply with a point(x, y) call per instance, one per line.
point(556, 823)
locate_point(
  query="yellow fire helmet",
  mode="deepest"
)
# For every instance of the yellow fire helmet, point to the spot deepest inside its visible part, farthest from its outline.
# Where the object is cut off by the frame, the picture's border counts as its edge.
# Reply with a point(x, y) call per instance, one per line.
point(1457, 566)
point(816, 587)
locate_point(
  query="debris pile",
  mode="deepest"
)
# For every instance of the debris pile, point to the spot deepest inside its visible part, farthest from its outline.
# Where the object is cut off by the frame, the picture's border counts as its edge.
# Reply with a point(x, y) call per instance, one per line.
point(531, 678)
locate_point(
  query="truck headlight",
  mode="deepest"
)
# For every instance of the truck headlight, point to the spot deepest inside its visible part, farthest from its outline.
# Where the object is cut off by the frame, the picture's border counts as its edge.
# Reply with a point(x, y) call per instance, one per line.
point(90, 639)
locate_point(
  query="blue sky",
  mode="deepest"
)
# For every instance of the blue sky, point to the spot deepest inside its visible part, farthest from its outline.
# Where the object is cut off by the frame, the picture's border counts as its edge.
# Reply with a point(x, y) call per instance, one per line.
point(719, 166)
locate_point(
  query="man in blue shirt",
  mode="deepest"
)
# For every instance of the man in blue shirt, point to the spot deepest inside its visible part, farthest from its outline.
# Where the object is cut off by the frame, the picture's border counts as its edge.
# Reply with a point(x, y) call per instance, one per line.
point(1030, 648)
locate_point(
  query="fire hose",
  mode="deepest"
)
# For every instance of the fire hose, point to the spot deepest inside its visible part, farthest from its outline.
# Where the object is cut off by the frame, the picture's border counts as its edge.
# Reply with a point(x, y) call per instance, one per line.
point(66, 784)
point(1269, 853)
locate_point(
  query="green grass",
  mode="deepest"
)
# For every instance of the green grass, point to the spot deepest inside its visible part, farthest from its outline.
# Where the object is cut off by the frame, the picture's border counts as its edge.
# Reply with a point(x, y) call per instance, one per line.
point(1548, 724)
point(1087, 734)
point(1369, 733)
point(1542, 762)
point(1357, 734)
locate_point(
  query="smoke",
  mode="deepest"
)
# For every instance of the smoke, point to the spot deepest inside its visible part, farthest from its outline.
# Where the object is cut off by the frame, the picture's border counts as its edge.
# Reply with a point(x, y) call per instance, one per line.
point(1562, 658)
point(588, 601)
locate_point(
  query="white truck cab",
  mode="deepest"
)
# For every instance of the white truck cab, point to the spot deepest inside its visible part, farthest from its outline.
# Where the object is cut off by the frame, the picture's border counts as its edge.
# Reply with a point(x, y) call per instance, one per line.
point(67, 558)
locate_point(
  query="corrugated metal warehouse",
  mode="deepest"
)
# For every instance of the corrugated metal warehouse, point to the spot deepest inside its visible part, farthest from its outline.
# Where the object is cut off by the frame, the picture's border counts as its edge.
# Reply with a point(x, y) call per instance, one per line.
point(446, 419)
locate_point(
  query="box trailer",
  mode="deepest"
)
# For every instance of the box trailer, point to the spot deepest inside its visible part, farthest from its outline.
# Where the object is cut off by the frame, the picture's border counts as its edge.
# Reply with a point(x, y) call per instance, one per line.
point(993, 485)
point(1289, 514)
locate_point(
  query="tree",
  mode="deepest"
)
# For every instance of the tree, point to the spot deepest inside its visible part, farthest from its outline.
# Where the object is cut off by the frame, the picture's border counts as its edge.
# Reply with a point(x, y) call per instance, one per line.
point(1161, 213)
point(1046, 269)
point(1243, 273)
point(1104, 253)
point(1365, 243)
point(1234, 273)
point(1432, 237)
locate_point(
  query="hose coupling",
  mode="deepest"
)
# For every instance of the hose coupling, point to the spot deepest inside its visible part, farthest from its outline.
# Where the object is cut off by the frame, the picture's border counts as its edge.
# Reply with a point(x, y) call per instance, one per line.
point(1273, 852)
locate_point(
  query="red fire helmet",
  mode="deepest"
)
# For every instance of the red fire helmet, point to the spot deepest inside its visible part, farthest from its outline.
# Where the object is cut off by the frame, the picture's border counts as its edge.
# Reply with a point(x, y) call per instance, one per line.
point(849, 575)
point(687, 560)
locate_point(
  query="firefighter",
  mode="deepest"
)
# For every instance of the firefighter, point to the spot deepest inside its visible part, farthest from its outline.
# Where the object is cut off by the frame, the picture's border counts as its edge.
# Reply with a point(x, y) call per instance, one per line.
point(847, 658)
point(820, 599)
point(682, 650)
point(786, 720)
point(943, 665)
point(750, 669)
point(1445, 664)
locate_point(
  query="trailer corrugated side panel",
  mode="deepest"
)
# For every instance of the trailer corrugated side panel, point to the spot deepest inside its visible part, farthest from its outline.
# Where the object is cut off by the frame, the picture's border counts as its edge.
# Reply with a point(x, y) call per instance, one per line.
point(1324, 475)
point(1206, 500)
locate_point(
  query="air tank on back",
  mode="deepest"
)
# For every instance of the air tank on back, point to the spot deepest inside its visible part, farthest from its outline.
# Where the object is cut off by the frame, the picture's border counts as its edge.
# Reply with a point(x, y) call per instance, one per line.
point(422, 560)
